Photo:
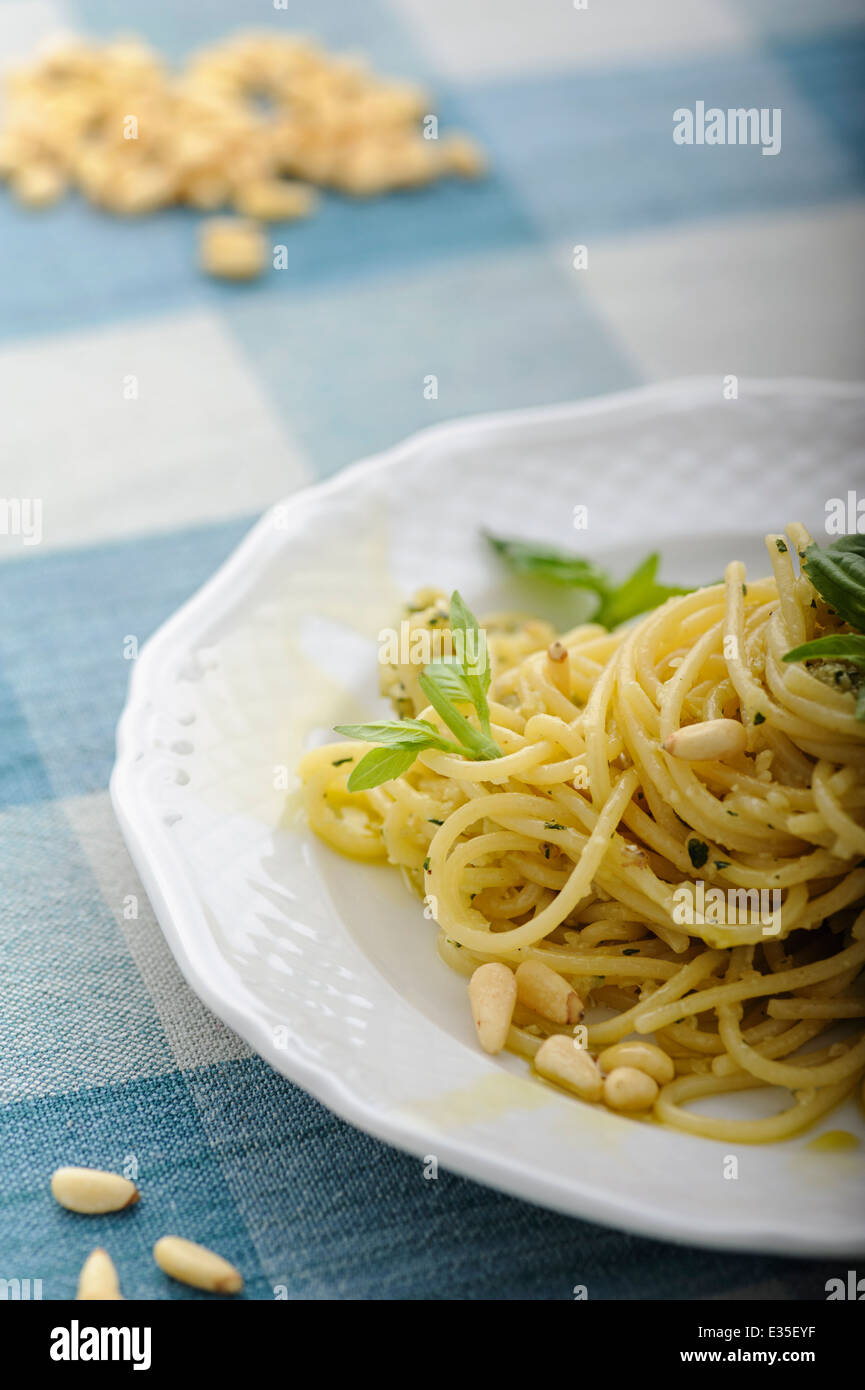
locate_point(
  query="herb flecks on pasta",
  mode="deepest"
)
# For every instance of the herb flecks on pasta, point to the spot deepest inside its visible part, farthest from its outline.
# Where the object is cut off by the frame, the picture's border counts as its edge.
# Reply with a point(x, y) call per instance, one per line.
point(663, 859)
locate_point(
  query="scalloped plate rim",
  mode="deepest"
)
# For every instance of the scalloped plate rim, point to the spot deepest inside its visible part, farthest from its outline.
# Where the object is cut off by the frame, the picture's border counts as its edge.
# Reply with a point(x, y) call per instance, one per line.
point(174, 901)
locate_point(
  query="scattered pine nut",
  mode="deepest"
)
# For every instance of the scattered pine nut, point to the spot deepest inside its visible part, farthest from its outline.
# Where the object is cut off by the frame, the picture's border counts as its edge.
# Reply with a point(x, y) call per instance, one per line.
point(714, 738)
point(559, 1059)
point(275, 200)
point(460, 155)
point(98, 1278)
point(15, 152)
point(362, 172)
point(38, 185)
point(645, 1056)
point(196, 1265)
point(92, 1192)
point(227, 128)
point(628, 1089)
point(232, 249)
point(413, 164)
point(492, 994)
point(208, 192)
point(132, 192)
point(547, 993)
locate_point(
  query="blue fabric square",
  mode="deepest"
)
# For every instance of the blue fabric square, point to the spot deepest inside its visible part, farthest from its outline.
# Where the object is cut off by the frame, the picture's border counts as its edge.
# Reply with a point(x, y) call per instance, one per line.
point(63, 657)
point(593, 153)
point(783, 18)
point(22, 776)
point(496, 330)
point(829, 72)
point(153, 1125)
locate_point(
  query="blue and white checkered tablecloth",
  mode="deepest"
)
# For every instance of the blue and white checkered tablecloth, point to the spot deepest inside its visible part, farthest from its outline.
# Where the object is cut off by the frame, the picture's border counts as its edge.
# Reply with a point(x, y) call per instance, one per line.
point(699, 260)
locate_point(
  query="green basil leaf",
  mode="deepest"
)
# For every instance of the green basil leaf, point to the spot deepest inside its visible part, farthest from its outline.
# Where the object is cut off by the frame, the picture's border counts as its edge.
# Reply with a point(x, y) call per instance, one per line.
point(545, 562)
point(476, 743)
point(835, 646)
point(400, 732)
point(450, 678)
point(636, 594)
point(838, 575)
point(463, 620)
point(380, 765)
point(617, 602)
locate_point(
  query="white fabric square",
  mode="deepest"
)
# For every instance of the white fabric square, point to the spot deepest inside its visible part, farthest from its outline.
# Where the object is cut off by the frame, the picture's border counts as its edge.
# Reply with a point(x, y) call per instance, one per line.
point(774, 295)
point(26, 23)
point(497, 37)
point(142, 426)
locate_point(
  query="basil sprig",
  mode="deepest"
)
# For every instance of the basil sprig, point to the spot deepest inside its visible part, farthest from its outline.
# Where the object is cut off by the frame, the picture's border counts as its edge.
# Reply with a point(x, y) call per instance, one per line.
point(477, 681)
point(838, 575)
point(616, 602)
point(446, 683)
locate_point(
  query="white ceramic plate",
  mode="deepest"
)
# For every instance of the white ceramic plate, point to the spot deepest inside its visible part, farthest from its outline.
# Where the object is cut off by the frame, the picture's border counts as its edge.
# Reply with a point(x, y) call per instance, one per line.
point(328, 968)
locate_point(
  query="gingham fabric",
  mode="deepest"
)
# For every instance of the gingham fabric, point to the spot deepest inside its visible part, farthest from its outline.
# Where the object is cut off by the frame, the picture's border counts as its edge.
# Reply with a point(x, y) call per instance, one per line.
point(698, 260)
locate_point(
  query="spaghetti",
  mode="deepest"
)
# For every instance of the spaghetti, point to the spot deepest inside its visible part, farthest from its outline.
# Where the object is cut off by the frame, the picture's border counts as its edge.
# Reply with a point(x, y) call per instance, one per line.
point(638, 876)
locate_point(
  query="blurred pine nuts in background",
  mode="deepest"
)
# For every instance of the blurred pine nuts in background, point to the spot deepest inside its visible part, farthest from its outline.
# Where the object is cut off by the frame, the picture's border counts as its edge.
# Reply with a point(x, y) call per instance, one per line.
point(249, 123)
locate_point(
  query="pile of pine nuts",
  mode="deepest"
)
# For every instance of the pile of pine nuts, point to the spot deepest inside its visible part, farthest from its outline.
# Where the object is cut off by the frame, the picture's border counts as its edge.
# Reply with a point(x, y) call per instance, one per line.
point(249, 124)
point(92, 1192)
point(627, 1076)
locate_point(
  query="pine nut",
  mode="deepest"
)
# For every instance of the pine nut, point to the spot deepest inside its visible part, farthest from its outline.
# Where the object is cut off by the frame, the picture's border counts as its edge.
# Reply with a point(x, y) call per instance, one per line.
point(546, 993)
point(411, 163)
point(38, 185)
point(133, 136)
point(196, 1265)
point(460, 155)
point(15, 152)
point(628, 1089)
point(133, 192)
point(714, 738)
point(91, 1192)
point(274, 200)
point(559, 1059)
point(492, 994)
point(557, 669)
point(232, 249)
point(206, 192)
point(645, 1056)
point(98, 1278)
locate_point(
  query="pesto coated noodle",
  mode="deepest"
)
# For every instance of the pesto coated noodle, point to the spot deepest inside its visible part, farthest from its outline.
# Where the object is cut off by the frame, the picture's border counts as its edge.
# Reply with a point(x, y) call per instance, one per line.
point(712, 905)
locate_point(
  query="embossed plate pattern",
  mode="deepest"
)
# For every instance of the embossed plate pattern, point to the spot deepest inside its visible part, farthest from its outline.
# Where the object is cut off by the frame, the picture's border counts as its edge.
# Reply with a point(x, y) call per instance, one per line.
point(328, 968)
